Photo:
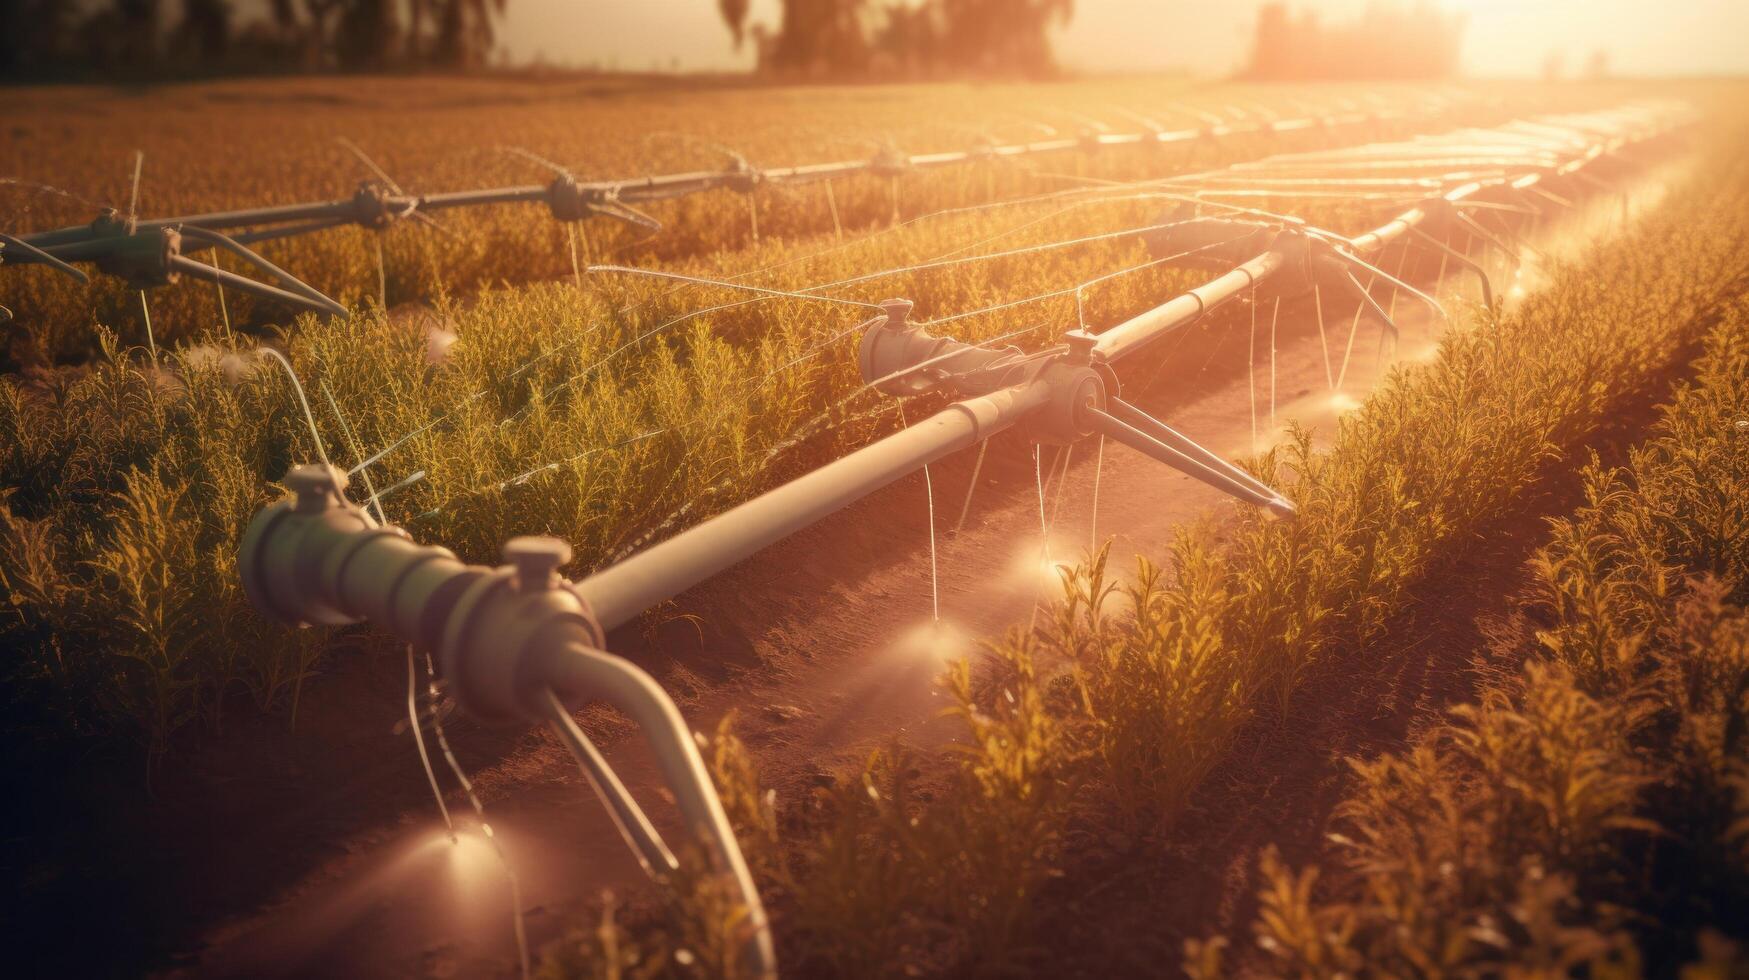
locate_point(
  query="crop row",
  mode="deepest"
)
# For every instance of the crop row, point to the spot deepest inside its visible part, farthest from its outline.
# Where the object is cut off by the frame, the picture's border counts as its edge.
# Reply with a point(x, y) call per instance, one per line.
point(1590, 811)
point(601, 409)
point(1105, 720)
point(202, 157)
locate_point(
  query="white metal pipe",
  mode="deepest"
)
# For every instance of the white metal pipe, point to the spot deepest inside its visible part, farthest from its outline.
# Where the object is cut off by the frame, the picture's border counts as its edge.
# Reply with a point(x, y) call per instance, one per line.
point(622, 592)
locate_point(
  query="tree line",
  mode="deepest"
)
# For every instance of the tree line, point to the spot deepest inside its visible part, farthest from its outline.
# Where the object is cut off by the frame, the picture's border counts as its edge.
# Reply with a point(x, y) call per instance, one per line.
point(1388, 40)
point(45, 40)
point(61, 40)
point(902, 38)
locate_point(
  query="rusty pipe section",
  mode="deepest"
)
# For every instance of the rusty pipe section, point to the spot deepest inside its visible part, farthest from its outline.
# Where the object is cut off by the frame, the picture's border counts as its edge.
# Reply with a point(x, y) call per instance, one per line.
point(508, 640)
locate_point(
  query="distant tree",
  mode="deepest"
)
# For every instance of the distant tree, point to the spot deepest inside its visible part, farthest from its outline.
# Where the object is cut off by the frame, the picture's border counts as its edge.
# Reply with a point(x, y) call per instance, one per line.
point(416, 10)
point(1388, 40)
point(1597, 66)
point(367, 34)
point(1003, 36)
point(309, 21)
point(821, 38)
point(911, 41)
point(735, 15)
point(465, 32)
point(202, 37)
point(857, 37)
point(1554, 66)
point(45, 38)
point(136, 26)
point(37, 37)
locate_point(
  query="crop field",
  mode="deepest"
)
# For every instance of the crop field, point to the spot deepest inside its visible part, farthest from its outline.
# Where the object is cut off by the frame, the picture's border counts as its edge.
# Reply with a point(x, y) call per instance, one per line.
point(1499, 448)
point(597, 414)
point(233, 145)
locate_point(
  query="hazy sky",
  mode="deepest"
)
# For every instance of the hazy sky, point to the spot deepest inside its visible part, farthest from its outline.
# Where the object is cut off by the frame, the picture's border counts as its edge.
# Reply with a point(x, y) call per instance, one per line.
point(1505, 37)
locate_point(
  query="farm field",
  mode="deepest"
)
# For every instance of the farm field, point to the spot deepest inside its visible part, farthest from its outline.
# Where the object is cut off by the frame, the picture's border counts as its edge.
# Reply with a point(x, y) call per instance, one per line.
point(251, 144)
point(488, 383)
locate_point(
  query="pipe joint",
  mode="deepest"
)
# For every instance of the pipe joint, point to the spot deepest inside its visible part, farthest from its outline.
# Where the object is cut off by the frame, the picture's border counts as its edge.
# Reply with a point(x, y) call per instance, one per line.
point(144, 258)
point(889, 162)
point(316, 558)
point(1073, 391)
point(568, 200)
point(741, 176)
point(507, 624)
point(905, 360)
point(373, 206)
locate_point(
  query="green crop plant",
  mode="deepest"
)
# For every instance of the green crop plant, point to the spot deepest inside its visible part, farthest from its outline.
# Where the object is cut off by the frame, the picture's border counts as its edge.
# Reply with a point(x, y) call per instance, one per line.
point(1588, 814)
point(609, 412)
point(213, 147)
point(1132, 706)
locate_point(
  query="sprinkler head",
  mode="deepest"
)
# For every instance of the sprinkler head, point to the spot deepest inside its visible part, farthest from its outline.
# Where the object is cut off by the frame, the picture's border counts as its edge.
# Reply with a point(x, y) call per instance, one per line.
point(1081, 346)
point(316, 486)
point(898, 312)
point(536, 559)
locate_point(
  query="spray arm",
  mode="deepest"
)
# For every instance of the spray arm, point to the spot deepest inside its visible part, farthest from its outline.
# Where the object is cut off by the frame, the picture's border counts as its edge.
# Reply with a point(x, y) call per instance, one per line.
point(512, 641)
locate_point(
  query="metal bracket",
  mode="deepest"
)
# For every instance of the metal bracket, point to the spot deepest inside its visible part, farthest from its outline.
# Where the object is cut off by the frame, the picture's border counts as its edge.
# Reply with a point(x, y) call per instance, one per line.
point(144, 259)
point(570, 201)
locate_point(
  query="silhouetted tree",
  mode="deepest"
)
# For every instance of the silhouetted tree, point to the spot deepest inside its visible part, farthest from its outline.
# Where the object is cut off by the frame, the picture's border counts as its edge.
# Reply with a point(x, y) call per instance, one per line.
point(136, 26)
point(367, 34)
point(821, 37)
point(1003, 36)
point(1388, 40)
point(735, 15)
point(912, 39)
point(465, 31)
point(855, 37)
point(416, 10)
point(203, 36)
point(37, 37)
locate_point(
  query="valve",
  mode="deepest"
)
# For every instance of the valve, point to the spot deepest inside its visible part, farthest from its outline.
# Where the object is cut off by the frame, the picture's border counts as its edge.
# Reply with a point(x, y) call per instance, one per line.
point(741, 176)
point(1082, 346)
point(889, 162)
point(316, 488)
point(901, 358)
point(144, 258)
point(536, 559)
point(509, 620)
point(1076, 390)
point(372, 206)
point(567, 200)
